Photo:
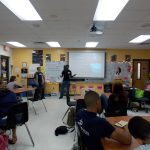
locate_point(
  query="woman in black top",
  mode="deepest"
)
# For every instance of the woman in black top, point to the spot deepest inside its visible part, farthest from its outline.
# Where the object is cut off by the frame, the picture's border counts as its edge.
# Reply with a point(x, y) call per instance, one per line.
point(117, 102)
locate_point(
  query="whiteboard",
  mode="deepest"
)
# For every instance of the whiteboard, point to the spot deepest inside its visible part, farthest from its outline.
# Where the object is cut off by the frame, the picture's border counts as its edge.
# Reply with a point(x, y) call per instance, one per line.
point(53, 70)
point(87, 64)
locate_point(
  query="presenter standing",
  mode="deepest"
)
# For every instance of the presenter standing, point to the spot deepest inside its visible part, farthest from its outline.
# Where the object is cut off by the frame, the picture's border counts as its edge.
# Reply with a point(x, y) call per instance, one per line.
point(66, 74)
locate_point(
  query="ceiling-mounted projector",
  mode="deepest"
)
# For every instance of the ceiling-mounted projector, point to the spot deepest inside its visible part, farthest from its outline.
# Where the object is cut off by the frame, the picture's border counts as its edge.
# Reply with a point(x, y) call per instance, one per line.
point(95, 30)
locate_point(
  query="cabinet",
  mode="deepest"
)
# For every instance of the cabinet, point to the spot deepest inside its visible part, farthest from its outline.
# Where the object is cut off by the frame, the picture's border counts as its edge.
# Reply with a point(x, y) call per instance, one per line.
point(4, 67)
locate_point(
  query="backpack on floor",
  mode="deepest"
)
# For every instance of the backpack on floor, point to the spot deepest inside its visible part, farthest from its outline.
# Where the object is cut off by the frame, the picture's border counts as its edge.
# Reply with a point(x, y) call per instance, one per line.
point(61, 130)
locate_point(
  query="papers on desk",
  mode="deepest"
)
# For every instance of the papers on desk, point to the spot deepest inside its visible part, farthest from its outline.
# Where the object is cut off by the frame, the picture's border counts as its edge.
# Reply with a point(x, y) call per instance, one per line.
point(121, 123)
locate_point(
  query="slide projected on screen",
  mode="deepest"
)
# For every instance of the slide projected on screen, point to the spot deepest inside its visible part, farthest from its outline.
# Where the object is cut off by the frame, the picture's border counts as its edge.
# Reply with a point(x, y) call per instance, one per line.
point(87, 64)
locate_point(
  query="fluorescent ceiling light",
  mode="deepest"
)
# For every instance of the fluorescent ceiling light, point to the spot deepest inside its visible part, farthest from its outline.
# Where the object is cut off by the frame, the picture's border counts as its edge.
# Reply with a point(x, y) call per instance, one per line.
point(140, 39)
point(108, 10)
point(91, 44)
point(17, 44)
point(22, 9)
point(96, 32)
point(53, 44)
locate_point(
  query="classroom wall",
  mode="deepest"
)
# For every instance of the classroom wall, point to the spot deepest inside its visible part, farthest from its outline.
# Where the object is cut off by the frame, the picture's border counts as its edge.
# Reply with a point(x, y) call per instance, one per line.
point(9, 54)
point(25, 55)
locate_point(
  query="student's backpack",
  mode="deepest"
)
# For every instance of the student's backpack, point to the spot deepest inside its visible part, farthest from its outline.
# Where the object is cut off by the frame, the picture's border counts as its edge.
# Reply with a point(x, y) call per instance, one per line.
point(3, 142)
point(71, 117)
point(139, 93)
point(61, 130)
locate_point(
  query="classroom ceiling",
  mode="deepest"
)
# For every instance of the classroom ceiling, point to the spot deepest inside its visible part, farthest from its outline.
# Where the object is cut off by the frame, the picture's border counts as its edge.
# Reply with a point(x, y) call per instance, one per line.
point(69, 23)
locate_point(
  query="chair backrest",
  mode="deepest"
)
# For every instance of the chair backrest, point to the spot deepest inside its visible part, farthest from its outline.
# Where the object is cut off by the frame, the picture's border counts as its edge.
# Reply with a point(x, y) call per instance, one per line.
point(67, 98)
point(147, 94)
point(30, 94)
point(17, 115)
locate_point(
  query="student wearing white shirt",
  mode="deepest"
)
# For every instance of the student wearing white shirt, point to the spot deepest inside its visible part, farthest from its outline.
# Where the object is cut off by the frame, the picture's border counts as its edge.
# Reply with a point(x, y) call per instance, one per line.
point(12, 83)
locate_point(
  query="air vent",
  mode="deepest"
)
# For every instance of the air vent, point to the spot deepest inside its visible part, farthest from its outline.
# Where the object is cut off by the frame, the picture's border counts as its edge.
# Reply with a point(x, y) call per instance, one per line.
point(146, 25)
point(36, 25)
point(145, 43)
point(39, 43)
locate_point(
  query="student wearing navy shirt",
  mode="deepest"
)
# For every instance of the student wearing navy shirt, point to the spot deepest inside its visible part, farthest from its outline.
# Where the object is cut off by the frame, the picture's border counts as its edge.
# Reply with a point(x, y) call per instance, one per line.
point(7, 99)
point(94, 128)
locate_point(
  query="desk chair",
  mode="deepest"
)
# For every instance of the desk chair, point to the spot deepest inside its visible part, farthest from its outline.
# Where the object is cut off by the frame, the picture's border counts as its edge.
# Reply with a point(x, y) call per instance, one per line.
point(69, 103)
point(147, 101)
point(136, 104)
point(33, 97)
point(115, 106)
point(18, 115)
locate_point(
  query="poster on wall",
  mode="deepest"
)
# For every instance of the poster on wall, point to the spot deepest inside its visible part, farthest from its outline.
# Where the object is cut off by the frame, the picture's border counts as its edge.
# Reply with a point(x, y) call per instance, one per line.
point(37, 57)
point(118, 70)
point(33, 68)
point(128, 58)
point(24, 72)
point(62, 57)
point(48, 57)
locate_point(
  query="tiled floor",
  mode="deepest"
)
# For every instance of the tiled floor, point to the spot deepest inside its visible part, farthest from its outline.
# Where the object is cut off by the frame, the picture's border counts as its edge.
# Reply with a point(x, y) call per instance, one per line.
point(43, 125)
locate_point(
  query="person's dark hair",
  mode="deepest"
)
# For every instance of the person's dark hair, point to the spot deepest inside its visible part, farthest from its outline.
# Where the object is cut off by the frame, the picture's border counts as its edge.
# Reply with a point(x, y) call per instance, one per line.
point(64, 67)
point(117, 88)
point(38, 68)
point(12, 78)
point(90, 98)
point(139, 128)
point(67, 66)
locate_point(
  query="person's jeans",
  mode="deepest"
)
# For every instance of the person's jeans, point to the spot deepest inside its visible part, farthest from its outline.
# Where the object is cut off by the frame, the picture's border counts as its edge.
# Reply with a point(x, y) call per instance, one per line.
point(65, 85)
point(104, 101)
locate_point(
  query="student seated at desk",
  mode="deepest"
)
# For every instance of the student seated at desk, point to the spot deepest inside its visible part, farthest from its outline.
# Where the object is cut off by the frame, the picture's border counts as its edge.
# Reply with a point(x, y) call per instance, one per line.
point(140, 130)
point(94, 128)
point(7, 99)
point(12, 83)
point(117, 101)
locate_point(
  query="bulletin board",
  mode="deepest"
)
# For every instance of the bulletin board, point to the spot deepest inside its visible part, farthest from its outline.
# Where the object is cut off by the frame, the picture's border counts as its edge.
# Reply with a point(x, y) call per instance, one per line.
point(124, 74)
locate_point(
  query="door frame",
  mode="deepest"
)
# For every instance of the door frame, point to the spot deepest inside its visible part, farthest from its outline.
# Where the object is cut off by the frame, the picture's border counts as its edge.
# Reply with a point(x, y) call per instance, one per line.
point(133, 73)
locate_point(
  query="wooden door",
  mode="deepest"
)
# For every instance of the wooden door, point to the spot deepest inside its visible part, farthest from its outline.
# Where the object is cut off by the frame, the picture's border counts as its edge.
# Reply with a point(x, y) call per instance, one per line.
point(141, 69)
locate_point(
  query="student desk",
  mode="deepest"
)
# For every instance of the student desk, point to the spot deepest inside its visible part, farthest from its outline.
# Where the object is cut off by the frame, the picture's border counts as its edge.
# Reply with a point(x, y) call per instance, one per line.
point(110, 144)
point(21, 90)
